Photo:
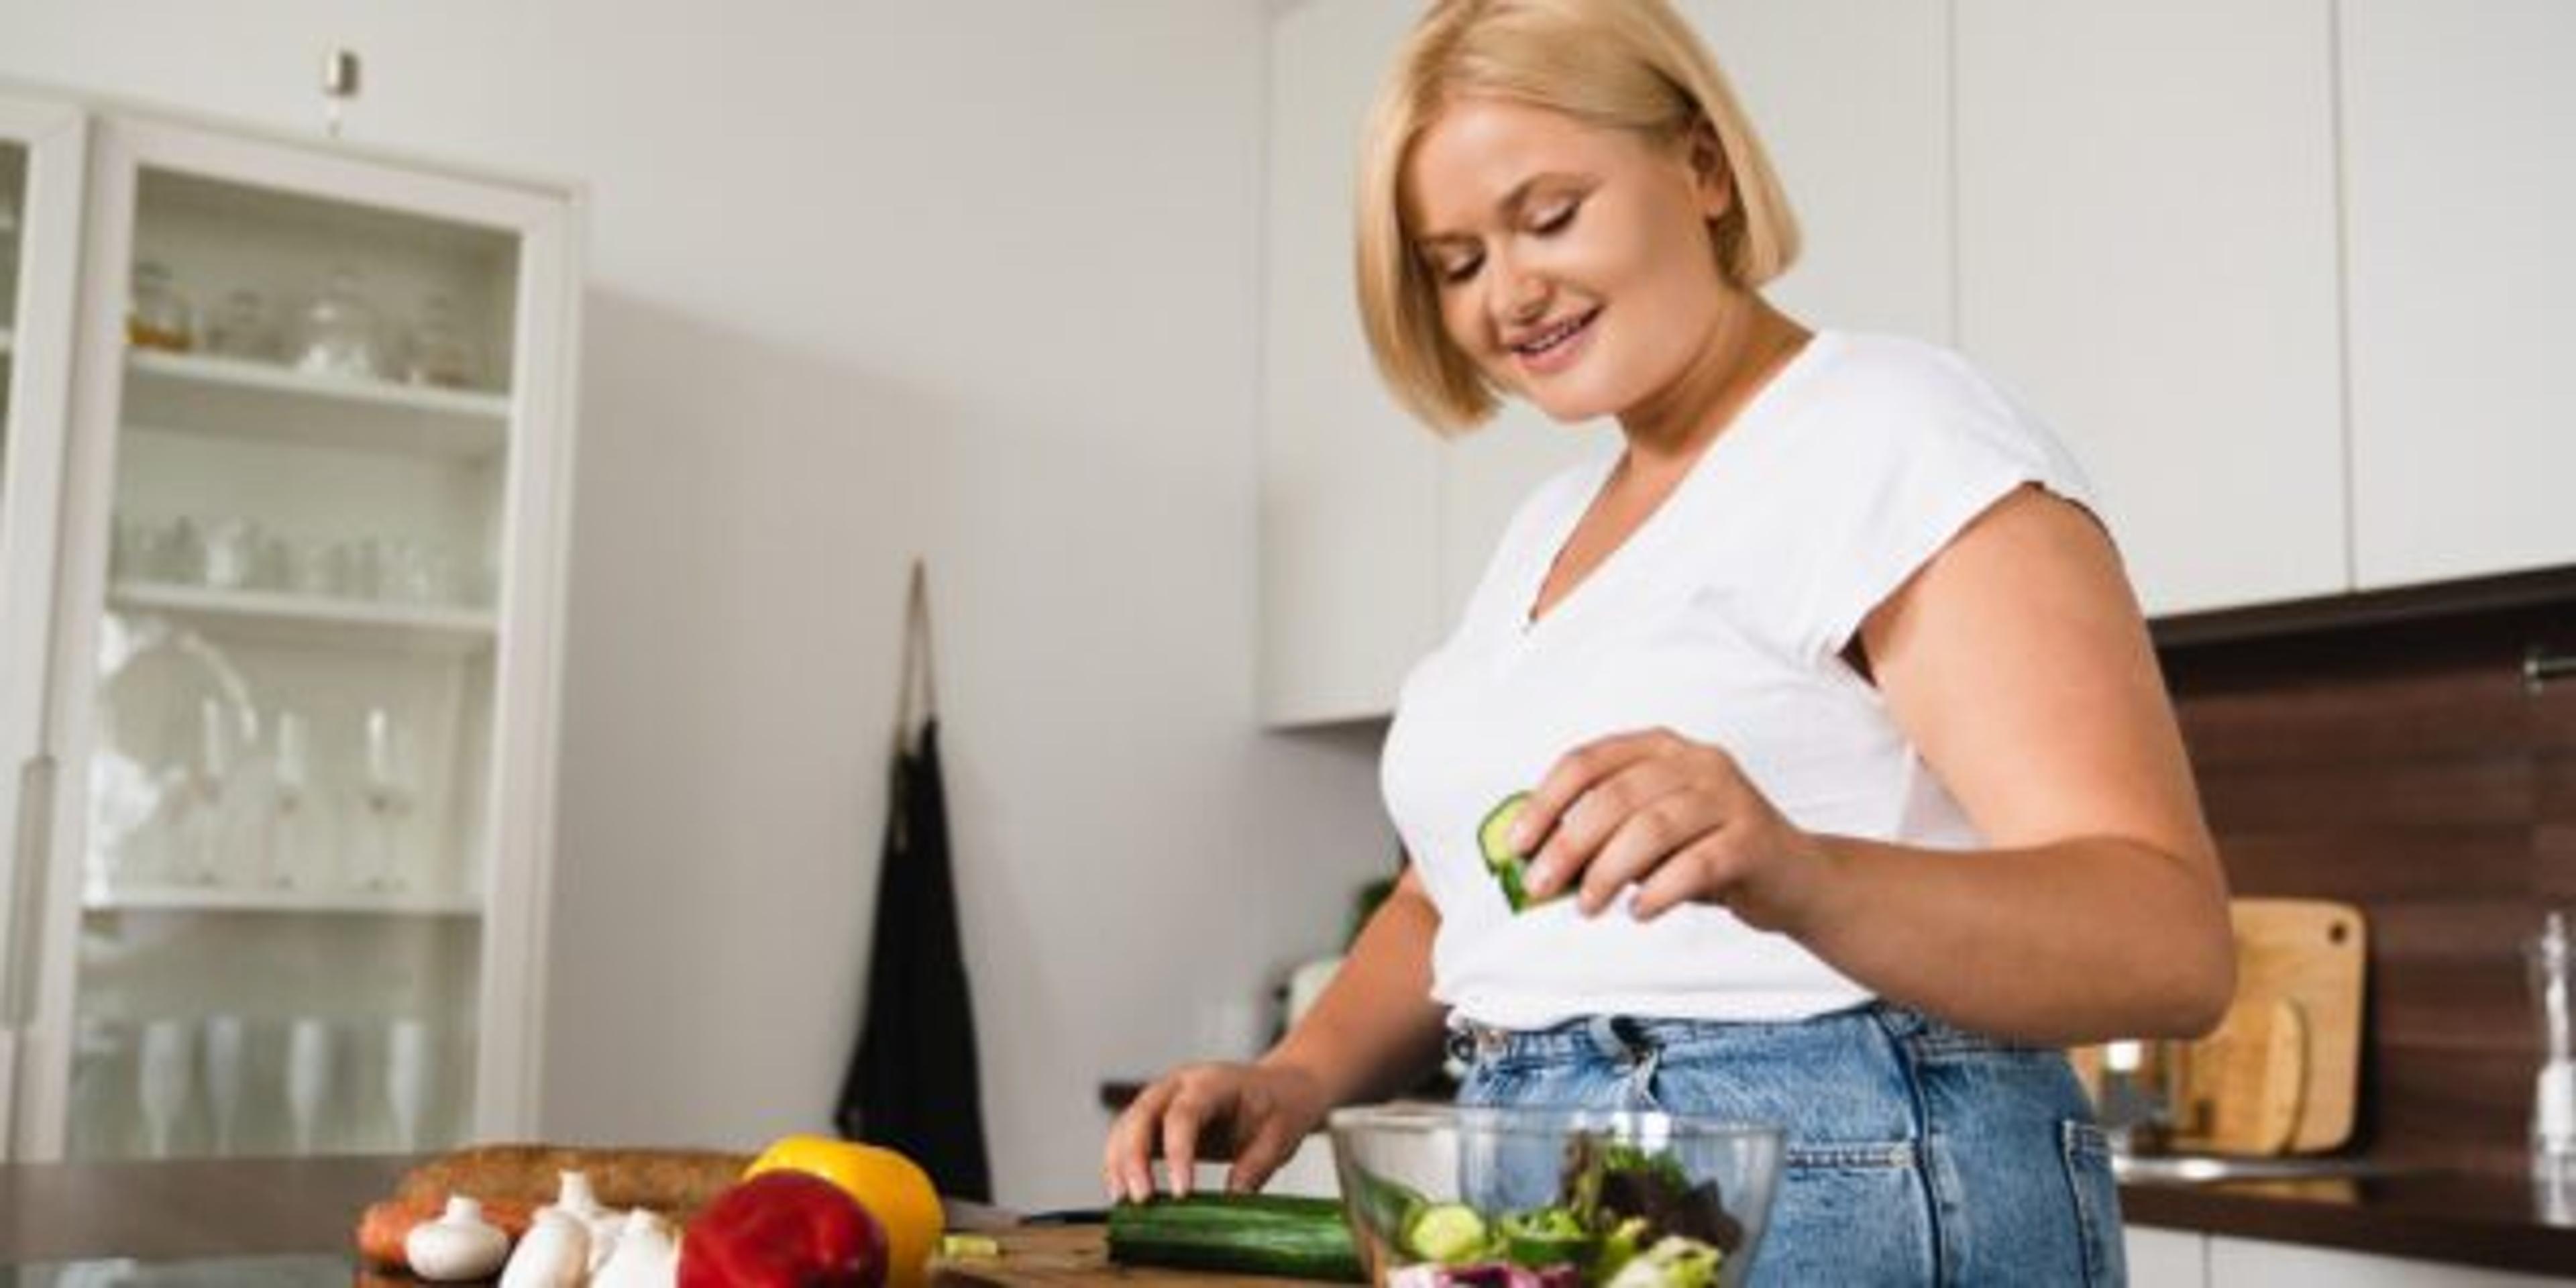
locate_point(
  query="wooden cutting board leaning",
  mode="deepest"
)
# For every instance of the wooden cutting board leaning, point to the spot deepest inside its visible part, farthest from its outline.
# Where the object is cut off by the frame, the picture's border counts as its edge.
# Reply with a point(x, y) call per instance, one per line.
point(2281, 1072)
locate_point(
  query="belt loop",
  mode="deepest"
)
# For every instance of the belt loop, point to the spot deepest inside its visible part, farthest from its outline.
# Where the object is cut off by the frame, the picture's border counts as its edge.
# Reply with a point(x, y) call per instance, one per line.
point(1607, 1041)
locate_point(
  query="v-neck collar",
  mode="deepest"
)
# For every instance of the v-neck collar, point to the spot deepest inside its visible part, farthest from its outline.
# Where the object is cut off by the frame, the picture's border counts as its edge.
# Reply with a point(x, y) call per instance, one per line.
point(1765, 406)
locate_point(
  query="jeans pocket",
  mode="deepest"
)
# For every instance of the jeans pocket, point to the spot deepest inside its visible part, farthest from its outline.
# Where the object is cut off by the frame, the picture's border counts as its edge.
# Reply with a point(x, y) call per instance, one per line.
point(2087, 1153)
point(1848, 1213)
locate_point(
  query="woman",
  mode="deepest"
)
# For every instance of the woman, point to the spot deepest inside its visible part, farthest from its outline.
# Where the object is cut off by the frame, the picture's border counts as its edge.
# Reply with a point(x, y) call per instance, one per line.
point(1843, 738)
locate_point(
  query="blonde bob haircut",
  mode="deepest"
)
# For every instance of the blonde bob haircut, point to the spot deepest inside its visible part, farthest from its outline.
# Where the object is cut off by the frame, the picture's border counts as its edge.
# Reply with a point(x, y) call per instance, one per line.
point(1619, 64)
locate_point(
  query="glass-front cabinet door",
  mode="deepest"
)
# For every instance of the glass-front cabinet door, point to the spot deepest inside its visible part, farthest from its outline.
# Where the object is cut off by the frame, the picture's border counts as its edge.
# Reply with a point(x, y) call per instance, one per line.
point(40, 211)
point(304, 656)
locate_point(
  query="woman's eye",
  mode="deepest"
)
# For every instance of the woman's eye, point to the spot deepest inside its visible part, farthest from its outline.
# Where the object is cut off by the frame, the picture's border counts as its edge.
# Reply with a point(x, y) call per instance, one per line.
point(1556, 218)
point(1459, 270)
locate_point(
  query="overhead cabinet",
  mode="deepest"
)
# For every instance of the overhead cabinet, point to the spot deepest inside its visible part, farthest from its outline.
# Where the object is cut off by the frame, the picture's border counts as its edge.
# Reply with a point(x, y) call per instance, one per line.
point(282, 696)
point(2459, 121)
point(2147, 257)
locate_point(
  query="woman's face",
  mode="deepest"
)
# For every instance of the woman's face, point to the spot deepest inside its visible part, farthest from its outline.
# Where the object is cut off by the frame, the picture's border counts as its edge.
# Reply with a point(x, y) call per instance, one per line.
point(1573, 262)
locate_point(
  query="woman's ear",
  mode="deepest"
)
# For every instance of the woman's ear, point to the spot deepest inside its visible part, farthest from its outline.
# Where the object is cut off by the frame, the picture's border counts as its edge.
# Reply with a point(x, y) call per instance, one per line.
point(1711, 175)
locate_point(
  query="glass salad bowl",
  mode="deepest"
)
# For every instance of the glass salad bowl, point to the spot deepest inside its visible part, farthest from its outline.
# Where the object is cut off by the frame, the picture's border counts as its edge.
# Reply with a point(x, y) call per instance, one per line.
point(1553, 1198)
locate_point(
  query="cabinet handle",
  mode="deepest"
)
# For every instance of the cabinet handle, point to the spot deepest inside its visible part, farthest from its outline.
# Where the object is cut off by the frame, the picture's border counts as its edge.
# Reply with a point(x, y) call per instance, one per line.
point(2540, 666)
point(29, 859)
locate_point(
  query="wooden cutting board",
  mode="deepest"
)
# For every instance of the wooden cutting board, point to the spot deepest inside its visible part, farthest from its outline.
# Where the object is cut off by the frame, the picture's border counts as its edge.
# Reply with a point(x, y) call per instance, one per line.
point(1052, 1256)
point(2280, 1073)
point(2310, 954)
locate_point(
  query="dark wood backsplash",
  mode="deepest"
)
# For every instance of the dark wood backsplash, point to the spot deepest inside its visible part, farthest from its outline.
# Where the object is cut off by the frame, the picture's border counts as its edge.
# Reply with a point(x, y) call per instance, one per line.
point(2405, 767)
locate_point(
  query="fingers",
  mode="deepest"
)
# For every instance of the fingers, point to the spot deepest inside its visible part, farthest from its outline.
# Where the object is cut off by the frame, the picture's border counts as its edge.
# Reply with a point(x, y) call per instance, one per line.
point(1701, 871)
point(1127, 1164)
point(1261, 1155)
point(1647, 843)
point(1597, 815)
point(1575, 773)
point(1189, 1112)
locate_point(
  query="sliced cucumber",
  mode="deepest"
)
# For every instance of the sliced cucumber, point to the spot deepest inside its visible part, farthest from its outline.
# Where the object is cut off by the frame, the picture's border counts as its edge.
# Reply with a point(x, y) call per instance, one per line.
point(1449, 1233)
point(1509, 866)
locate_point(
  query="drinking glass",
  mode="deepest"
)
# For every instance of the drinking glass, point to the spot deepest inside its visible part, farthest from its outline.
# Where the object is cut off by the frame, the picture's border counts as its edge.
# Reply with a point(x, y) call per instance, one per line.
point(162, 1078)
point(308, 1078)
point(408, 1079)
point(226, 1038)
point(219, 740)
point(293, 782)
point(385, 791)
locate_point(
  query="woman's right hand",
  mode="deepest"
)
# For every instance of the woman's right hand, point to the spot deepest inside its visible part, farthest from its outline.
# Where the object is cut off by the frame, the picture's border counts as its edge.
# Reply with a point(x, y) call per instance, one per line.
point(1254, 1114)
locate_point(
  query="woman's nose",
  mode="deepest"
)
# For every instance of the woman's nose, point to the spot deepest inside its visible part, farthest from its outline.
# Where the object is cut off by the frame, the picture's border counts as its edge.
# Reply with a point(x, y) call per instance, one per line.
point(1520, 296)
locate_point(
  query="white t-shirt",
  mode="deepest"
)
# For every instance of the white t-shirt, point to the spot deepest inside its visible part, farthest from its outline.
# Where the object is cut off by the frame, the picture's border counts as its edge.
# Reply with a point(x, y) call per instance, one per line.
point(1724, 618)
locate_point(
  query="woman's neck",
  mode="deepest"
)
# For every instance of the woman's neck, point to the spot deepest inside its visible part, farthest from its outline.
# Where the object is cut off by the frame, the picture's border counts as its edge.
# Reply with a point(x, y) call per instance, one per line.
point(1748, 345)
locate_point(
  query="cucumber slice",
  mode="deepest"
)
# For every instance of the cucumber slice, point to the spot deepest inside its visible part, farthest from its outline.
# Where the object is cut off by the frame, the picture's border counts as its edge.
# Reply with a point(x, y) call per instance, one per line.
point(1449, 1233)
point(1509, 866)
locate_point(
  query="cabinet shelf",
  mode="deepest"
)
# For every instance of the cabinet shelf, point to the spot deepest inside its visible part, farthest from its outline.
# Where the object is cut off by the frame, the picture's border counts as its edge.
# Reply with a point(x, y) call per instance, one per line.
point(234, 398)
point(313, 620)
point(98, 898)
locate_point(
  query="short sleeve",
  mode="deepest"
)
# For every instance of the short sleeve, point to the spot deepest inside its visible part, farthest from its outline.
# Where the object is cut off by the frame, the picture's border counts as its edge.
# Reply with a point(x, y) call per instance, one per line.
point(1920, 458)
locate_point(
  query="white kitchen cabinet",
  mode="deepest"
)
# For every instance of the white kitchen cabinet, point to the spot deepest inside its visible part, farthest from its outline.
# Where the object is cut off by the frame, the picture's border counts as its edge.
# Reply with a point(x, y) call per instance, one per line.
point(2147, 256)
point(2260, 1263)
point(41, 161)
point(2459, 119)
point(2166, 1258)
point(1350, 522)
point(297, 659)
point(1852, 100)
point(1374, 533)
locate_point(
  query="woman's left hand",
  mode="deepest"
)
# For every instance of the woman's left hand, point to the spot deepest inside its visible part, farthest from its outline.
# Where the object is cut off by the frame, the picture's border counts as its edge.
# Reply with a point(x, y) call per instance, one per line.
point(1676, 818)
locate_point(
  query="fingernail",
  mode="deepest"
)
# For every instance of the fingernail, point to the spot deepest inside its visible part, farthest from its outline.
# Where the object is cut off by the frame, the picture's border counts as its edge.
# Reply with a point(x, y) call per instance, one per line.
point(1520, 837)
point(1541, 878)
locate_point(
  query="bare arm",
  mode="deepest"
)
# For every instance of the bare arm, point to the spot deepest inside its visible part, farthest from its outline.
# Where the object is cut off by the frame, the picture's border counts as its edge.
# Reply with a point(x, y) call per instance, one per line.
point(2017, 663)
point(1373, 1033)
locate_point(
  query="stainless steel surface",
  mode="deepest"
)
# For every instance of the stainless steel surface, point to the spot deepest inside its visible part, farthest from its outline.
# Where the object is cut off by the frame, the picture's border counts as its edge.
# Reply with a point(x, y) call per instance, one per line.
point(2210, 1169)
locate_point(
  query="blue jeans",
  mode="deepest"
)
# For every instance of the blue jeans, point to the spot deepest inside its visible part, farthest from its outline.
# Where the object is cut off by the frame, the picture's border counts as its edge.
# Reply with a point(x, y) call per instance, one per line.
point(1917, 1153)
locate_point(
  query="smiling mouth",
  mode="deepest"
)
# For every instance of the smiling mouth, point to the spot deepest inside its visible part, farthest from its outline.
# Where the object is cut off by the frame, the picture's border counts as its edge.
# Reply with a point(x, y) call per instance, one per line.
point(1554, 337)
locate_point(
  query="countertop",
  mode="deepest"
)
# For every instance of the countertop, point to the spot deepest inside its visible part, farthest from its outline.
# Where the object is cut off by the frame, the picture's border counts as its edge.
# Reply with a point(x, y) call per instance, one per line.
point(2497, 1222)
point(251, 1207)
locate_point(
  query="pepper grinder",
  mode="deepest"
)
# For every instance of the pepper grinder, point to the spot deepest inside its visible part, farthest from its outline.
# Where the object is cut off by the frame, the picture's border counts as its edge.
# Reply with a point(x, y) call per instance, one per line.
point(2553, 1113)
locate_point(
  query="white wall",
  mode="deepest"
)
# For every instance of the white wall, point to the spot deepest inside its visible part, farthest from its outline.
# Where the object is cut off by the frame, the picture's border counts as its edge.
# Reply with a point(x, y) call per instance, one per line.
point(971, 278)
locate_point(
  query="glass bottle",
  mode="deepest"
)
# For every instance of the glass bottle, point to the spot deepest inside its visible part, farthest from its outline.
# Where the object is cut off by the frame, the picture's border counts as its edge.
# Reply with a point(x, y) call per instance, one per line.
point(339, 336)
point(159, 316)
point(438, 354)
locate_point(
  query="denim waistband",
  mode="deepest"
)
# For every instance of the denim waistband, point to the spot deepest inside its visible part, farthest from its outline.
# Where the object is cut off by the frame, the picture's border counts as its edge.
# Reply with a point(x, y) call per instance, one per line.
point(1633, 1039)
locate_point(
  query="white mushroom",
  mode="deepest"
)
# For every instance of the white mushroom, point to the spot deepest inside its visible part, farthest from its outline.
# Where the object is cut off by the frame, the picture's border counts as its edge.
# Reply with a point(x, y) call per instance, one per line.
point(458, 1246)
point(554, 1253)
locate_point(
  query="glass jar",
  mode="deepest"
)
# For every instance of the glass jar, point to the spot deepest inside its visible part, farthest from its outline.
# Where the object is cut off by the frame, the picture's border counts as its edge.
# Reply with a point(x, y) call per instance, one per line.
point(339, 333)
point(438, 353)
point(159, 316)
point(240, 328)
